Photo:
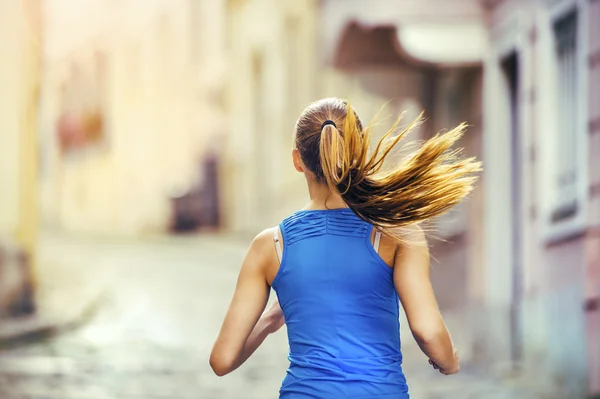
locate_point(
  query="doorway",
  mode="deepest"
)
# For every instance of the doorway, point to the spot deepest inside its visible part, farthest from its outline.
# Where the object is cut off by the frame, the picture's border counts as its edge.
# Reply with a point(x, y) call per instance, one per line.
point(510, 69)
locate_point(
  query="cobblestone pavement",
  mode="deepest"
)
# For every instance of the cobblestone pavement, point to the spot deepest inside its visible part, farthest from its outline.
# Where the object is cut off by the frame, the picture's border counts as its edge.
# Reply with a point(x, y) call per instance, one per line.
point(152, 337)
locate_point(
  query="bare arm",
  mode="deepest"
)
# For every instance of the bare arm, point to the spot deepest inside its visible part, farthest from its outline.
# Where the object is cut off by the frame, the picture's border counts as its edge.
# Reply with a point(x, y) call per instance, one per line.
point(244, 329)
point(413, 284)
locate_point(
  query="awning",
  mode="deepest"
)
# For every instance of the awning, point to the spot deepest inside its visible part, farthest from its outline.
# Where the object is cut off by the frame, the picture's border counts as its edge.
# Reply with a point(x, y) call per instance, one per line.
point(382, 32)
point(448, 44)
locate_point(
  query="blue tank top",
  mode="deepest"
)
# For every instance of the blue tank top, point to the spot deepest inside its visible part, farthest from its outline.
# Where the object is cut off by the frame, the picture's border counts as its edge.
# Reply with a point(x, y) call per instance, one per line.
point(340, 308)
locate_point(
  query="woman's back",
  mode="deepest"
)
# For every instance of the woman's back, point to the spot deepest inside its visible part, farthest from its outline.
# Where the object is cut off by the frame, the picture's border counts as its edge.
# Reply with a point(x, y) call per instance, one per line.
point(338, 297)
point(341, 309)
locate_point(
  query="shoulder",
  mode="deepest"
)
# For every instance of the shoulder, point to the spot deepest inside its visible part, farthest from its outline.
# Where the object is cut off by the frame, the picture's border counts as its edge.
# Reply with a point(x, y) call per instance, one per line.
point(412, 244)
point(412, 235)
point(265, 237)
point(401, 241)
point(262, 246)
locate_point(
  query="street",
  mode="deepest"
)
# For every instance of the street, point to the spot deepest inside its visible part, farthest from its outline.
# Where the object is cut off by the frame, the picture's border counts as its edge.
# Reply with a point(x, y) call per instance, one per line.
point(162, 304)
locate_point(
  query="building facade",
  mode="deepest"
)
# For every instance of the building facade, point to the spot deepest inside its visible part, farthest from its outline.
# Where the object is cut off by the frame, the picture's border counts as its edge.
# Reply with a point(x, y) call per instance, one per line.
point(20, 49)
point(541, 110)
point(273, 76)
point(129, 108)
point(517, 271)
point(398, 54)
point(136, 95)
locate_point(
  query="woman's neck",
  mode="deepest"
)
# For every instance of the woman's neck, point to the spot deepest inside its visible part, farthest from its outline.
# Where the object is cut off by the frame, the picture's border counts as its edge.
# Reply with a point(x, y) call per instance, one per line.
point(321, 197)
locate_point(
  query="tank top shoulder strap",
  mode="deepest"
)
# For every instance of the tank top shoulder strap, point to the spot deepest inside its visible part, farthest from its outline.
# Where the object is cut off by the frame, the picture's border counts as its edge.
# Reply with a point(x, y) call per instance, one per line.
point(376, 240)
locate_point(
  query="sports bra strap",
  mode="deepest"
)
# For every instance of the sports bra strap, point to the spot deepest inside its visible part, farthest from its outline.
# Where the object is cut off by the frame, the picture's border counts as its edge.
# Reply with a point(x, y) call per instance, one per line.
point(376, 241)
point(277, 243)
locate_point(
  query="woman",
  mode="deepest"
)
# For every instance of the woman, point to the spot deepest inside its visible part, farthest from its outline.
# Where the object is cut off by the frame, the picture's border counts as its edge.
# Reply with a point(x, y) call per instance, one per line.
point(339, 265)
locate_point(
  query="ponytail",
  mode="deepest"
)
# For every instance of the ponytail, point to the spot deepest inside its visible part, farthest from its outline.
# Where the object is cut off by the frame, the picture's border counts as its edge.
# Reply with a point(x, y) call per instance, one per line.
point(425, 184)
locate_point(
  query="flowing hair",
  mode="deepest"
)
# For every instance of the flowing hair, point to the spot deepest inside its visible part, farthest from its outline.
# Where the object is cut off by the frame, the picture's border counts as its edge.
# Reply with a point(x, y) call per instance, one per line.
point(423, 185)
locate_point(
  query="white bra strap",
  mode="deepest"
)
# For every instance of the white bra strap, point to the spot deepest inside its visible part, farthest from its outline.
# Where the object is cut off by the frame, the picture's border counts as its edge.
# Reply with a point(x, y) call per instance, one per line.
point(376, 241)
point(277, 243)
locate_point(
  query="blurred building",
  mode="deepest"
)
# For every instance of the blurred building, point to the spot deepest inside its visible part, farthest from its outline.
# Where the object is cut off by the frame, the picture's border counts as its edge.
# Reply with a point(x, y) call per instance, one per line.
point(310, 50)
point(420, 56)
point(156, 112)
point(541, 148)
point(272, 49)
point(518, 273)
point(130, 106)
point(20, 51)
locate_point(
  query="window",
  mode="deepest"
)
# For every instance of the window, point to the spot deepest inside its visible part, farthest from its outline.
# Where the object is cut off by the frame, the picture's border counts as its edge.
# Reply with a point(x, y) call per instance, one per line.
point(565, 180)
point(82, 122)
point(561, 119)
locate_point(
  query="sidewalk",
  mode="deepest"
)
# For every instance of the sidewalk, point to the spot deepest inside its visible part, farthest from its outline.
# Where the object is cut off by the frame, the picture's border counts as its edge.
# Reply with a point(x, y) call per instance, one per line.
point(63, 303)
point(71, 287)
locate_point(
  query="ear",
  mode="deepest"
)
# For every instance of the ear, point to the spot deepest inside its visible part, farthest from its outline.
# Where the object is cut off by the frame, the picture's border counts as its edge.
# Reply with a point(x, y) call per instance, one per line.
point(298, 164)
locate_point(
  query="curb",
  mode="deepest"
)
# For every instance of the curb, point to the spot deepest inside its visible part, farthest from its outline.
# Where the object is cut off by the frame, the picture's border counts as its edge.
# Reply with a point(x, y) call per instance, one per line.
point(35, 329)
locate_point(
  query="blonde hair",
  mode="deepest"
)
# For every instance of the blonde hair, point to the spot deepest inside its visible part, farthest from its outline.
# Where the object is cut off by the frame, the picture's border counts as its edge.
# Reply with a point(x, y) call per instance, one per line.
point(425, 184)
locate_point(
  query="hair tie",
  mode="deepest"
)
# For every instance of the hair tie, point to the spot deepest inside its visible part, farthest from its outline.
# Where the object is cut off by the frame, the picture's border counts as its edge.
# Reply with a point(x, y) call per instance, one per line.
point(328, 122)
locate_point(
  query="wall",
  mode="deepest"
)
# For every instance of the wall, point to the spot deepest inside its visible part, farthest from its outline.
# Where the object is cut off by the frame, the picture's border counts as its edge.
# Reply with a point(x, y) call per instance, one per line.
point(10, 77)
point(456, 238)
point(449, 94)
point(551, 262)
point(161, 78)
point(593, 237)
point(274, 78)
point(20, 41)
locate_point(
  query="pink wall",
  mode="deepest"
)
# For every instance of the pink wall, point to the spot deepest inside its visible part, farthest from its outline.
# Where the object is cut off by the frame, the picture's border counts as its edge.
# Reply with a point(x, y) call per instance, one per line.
point(593, 236)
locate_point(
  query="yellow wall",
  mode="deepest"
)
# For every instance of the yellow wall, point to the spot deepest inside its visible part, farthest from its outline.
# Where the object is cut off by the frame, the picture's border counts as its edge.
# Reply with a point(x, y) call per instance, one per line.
point(271, 81)
point(159, 69)
point(20, 39)
point(19, 78)
point(11, 73)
